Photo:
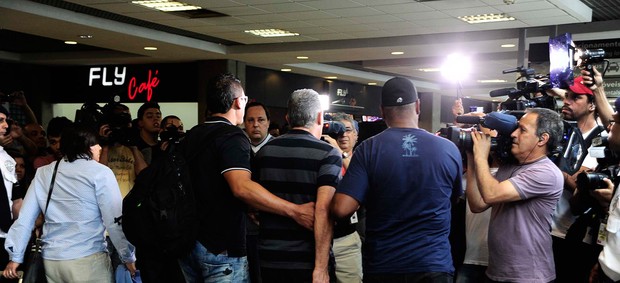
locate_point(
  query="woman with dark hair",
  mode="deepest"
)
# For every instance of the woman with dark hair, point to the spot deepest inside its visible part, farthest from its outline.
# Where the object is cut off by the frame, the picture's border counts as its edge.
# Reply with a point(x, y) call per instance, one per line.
point(83, 204)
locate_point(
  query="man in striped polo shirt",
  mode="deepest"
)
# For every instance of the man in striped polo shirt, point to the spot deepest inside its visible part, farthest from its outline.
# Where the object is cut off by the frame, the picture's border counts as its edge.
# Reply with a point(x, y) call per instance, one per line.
point(300, 168)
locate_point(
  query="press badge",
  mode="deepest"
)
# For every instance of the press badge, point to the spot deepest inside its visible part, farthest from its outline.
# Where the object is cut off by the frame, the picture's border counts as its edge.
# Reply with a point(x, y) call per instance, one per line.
point(354, 219)
point(602, 234)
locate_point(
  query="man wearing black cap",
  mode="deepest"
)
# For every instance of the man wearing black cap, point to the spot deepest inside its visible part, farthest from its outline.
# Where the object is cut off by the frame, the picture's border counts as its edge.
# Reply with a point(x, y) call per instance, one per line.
point(406, 178)
point(575, 255)
point(7, 169)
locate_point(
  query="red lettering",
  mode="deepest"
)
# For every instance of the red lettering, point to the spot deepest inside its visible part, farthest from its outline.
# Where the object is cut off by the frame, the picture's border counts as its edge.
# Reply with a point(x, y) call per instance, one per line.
point(148, 86)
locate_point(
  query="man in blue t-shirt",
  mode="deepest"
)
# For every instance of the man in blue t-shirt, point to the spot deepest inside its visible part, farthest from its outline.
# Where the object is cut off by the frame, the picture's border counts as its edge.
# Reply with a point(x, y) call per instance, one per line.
point(406, 178)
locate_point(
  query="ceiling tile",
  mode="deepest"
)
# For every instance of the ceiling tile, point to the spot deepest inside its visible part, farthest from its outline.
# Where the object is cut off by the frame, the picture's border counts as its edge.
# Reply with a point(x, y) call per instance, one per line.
point(539, 14)
point(266, 18)
point(309, 15)
point(544, 21)
point(351, 28)
point(356, 12)
point(332, 36)
point(334, 22)
point(423, 16)
point(523, 7)
point(285, 7)
point(404, 8)
point(313, 30)
point(381, 2)
point(447, 5)
point(240, 11)
point(454, 22)
point(331, 4)
point(398, 25)
point(376, 19)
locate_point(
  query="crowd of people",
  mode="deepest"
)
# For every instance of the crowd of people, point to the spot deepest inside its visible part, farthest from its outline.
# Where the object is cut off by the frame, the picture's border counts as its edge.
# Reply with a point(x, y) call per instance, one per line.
point(302, 206)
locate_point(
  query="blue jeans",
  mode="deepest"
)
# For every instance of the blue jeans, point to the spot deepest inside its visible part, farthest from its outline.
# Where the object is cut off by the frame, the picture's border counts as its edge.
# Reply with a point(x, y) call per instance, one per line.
point(203, 266)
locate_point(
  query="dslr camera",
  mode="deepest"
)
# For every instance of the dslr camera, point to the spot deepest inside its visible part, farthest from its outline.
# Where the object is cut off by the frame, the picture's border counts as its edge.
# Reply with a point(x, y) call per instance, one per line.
point(171, 133)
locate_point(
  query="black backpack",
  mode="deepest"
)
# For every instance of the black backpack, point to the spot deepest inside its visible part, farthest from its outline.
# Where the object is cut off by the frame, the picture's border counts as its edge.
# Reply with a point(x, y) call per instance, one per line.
point(159, 213)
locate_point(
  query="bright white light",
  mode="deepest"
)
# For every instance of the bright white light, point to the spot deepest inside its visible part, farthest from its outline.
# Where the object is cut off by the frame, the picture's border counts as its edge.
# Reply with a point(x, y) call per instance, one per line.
point(456, 67)
point(324, 98)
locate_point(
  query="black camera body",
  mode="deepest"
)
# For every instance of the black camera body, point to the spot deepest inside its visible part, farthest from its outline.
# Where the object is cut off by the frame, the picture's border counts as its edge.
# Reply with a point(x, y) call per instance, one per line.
point(171, 133)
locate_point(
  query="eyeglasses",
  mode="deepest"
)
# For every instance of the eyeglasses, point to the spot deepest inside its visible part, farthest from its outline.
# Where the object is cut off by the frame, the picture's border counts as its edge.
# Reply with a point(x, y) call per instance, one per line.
point(243, 98)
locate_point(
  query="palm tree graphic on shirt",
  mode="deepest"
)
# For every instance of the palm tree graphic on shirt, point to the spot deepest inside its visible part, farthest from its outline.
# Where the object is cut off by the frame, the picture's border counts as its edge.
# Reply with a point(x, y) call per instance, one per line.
point(409, 142)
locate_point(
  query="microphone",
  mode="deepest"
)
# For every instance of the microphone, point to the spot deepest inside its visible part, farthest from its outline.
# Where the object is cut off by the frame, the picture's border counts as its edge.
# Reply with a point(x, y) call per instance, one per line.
point(465, 119)
point(503, 91)
point(504, 124)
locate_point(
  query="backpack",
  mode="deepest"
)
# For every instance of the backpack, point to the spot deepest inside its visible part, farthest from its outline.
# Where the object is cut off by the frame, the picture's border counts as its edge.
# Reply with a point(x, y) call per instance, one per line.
point(159, 213)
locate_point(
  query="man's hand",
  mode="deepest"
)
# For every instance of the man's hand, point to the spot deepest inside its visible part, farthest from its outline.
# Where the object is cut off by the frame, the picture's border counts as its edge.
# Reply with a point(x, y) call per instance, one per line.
point(19, 98)
point(6, 140)
point(304, 215)
point(11, 270)
point(587, 78)
point(320, 275)
point(131, 266)
point(482, 144)
point(457, 107)
point(604, 195)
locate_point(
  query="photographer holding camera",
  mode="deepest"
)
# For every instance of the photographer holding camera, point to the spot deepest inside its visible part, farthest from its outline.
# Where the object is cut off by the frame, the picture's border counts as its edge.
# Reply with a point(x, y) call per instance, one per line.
point(574, 255)
point(522, 195)
point(124, 158)
point(608, 269)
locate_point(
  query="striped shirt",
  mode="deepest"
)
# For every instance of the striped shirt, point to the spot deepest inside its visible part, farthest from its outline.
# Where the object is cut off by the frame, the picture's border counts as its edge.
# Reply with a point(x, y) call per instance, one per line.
point(293, 167)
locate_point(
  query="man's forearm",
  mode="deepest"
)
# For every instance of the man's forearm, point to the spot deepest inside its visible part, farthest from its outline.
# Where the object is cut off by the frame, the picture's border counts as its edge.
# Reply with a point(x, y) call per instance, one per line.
point(323, 228)
point(604, 109)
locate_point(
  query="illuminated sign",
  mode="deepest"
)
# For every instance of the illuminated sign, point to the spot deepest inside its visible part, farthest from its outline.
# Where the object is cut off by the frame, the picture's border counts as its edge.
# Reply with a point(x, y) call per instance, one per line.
point(97, 73)
point(151, 82)
point(118, 79)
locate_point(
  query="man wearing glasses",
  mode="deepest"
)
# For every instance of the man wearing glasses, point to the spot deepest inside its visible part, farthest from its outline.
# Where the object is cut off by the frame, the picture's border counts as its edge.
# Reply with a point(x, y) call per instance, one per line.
point(218, 155)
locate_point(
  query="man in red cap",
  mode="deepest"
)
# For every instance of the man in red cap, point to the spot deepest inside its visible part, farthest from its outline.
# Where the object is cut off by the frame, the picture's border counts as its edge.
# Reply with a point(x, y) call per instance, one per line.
point(575, 254)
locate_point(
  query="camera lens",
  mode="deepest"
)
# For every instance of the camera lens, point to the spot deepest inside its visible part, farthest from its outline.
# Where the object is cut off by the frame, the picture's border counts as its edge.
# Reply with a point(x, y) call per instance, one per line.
point(591, 181)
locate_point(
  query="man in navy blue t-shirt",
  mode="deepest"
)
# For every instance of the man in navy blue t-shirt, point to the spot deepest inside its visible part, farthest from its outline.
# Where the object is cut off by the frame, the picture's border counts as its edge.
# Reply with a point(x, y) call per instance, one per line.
point(406, 178)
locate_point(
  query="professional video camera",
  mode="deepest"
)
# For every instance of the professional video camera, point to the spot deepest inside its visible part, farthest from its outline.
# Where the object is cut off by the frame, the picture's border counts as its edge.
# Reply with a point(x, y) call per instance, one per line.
point(503, 123)
point(119, 123)
point(333, 129)
point(89, 115)
point(532, 88)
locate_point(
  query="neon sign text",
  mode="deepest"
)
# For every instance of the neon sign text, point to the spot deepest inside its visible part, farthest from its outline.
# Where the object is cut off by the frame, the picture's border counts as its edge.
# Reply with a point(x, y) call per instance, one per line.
point(133, 89)
point(97, 73)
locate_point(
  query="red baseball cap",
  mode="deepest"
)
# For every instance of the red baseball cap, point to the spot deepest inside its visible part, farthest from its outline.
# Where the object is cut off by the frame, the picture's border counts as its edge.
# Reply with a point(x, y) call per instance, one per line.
point(579, 88)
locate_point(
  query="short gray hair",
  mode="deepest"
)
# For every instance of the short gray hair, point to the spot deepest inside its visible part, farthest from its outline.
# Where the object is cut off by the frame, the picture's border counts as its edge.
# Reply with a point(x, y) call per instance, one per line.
point(549, 122)
point(303, 108)
point(340, 116)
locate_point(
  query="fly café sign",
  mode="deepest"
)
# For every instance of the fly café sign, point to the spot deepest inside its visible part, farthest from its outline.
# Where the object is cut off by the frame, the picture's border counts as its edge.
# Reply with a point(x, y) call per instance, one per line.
point(144, 85)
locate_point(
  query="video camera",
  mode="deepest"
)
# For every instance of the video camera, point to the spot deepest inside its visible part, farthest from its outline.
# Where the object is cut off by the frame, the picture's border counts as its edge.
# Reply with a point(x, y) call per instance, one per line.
point(503, 122)
point(532, 88)
point(94, 116)
point(333, 129)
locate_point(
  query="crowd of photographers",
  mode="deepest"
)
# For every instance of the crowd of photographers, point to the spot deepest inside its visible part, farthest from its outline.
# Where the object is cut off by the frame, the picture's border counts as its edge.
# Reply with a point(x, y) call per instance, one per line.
point(546, 181)
point(573, 196)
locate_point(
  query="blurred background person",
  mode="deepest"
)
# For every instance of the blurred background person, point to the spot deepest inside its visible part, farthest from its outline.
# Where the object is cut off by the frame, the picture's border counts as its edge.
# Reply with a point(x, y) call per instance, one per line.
point(83, 204)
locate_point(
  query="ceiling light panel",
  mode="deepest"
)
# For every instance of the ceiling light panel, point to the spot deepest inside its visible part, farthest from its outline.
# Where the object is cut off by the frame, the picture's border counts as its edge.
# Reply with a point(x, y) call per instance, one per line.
point(166, 5)
point(271, 32)
point(486, 18)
